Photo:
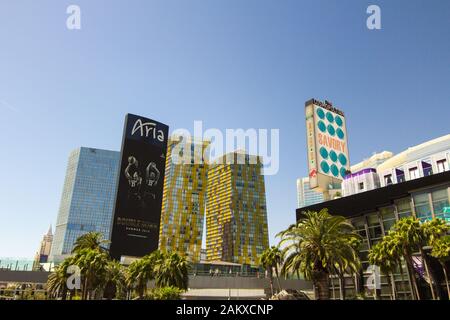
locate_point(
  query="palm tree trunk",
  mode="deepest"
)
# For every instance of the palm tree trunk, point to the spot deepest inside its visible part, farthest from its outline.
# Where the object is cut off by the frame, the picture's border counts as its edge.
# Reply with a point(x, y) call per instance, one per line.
point(64, 293)
point(341, 287)
point(427, 270)
point(271, 281)
point(356, 283)
point(85, 288)
point(444, 268)
point(412, 276)
point(402, 275)
point(391, 284)
point(322, 284)
point(393, 287)
point(278, 277)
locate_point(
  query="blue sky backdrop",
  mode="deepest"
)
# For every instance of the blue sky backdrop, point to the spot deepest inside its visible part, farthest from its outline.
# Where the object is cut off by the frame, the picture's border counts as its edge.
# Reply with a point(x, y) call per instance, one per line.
point(232, 64)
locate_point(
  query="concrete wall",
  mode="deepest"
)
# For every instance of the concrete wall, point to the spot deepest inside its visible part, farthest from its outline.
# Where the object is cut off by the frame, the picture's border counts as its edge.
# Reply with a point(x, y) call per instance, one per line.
point(195, 282)
point(23, 276)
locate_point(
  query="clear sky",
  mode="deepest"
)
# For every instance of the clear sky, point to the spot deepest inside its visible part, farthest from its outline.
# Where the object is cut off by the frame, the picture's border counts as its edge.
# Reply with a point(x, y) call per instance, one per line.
point(232, 64)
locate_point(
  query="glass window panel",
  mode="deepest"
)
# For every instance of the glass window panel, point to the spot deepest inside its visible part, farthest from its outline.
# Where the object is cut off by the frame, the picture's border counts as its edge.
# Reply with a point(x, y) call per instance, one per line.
point(372, 219)
point(440, 203)
point(404, 208)
point(387, 213)
point(422, 206)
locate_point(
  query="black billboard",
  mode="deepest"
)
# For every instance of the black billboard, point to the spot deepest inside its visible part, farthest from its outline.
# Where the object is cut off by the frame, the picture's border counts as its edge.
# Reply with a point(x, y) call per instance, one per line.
point(137, 212)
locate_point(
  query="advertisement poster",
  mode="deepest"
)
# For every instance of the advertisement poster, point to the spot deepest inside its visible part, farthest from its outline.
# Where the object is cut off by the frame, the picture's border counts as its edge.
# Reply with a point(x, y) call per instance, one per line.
point(137, 213)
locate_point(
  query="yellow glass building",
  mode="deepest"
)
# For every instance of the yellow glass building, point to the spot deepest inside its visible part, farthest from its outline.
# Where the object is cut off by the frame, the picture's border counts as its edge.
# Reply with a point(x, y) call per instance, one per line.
point(184, 195)
point(236, 214)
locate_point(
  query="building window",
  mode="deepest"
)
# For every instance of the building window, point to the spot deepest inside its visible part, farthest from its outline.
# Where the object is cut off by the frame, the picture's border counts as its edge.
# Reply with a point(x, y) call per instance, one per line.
point(427, 169)
point(413, 173)
point(442, 165)
point(440, 204)
point(400, 175)
point(404, 208)
point(361, 185)
point(374, 226)
point(388, 217)
point(422, 207)
point(388, 179)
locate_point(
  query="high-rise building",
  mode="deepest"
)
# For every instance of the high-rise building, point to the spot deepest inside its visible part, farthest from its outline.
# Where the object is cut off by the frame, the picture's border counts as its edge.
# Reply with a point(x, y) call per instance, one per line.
point(87, 199)
point(305, 195)
point(184, 197)
point(44, 249)
point(236, 213)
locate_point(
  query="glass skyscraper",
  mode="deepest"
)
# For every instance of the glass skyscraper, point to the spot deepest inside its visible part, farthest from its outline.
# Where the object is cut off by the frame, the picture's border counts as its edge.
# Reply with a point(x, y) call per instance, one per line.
point(87, 201)
point(306, 196)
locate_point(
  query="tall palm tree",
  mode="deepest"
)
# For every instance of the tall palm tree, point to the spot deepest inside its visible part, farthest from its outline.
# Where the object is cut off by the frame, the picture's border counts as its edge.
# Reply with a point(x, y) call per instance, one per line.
point(90, 240)
point(93, 265)
point(115, 282)
point(140, 272)
point(431, 231)
point(172, 270)
point(411, 236)
point(316, 244)
point(57, 280)
point(441, 251)
point(344, 266)
point(406, 236)
point(271, 259)
point(383, 255)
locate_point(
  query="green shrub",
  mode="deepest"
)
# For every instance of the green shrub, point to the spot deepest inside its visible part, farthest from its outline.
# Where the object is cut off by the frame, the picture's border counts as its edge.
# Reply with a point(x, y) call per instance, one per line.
point(164, 293)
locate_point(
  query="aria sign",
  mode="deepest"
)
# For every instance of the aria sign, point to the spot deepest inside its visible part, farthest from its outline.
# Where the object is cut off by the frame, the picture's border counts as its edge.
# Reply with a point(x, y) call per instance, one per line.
point(147, 129)
point(327, 143)
point(137, 212)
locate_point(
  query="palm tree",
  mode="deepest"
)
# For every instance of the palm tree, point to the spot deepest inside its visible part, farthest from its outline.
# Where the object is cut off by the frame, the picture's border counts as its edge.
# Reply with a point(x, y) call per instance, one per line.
point(431, 231)
point(411, 236)
point(90, 240)
point(406, 236)
point(383, 255)
point(115, 282)
point(140, 272)
point(441, 251)
point(270, 259)
point(316, 245)
point(93, 265)
point(57, 280)
point(345, 267)
point(172, 269)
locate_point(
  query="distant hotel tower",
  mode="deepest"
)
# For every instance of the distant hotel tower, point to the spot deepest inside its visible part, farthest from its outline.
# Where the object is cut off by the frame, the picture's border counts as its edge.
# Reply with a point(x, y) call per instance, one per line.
point(184, 198)
point(305, 195)
point(44, 250)
point(87, 199)
point(236, 214)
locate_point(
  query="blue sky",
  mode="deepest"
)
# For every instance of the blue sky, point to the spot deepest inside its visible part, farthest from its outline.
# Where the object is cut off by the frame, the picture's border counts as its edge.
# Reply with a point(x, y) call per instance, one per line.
point(231, 64)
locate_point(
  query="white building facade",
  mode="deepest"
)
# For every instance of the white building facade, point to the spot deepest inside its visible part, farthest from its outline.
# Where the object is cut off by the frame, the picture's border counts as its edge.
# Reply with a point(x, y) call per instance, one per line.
point(428, 158)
